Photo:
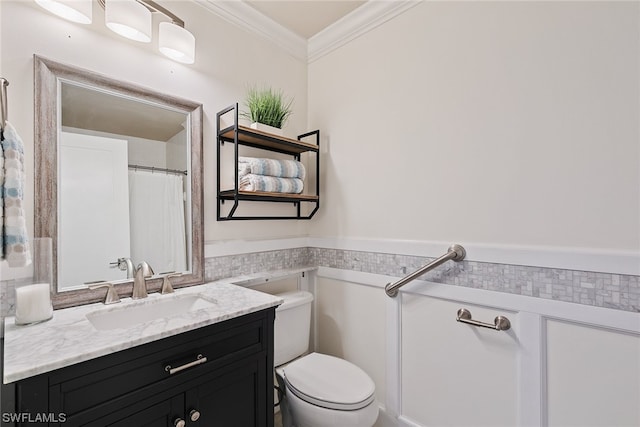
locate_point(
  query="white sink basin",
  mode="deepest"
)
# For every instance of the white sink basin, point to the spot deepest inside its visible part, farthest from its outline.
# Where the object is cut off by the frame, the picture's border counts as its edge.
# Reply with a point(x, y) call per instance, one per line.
point(145, 311)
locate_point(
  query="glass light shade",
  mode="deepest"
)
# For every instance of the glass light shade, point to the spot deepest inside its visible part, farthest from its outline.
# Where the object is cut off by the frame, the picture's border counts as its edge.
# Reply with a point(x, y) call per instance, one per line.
point(128, 18)
point(79, 11)
point(177, 43)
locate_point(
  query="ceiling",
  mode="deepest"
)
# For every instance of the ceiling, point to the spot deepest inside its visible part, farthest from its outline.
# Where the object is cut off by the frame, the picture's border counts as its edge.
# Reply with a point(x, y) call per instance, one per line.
point(308, 29)
point(305, 17)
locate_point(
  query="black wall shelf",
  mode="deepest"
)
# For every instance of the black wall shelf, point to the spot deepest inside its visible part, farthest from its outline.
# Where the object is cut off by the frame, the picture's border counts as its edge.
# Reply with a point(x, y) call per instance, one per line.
point(245, 136)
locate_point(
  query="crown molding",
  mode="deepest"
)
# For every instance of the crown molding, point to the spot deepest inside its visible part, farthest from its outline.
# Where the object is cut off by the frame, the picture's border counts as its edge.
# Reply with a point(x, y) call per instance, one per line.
point(362, 20)
point(241, 14)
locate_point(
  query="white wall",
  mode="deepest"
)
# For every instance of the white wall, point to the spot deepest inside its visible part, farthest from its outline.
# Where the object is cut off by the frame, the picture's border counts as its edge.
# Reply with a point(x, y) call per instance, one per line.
point(141, 151)
point(512, 123)
point(351, 325)
point(227, 60)
point(176, 152)
point(486, 122)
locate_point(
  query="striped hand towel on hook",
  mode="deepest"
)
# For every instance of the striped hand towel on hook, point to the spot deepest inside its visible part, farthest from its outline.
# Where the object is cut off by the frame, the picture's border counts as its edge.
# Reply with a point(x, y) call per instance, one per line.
point(15, 243)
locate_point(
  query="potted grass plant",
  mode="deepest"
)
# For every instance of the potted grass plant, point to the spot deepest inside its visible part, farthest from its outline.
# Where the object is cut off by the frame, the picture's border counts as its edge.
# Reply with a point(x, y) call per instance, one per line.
point(268, 109)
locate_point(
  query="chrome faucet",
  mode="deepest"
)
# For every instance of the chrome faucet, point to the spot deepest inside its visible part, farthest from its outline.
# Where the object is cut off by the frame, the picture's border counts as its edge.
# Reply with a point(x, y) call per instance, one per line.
point(143, 271)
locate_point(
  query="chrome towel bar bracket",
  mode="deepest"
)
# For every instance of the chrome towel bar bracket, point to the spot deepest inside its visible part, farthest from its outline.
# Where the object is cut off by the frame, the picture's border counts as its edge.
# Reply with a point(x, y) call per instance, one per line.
point(455, 253)
point(500, 323)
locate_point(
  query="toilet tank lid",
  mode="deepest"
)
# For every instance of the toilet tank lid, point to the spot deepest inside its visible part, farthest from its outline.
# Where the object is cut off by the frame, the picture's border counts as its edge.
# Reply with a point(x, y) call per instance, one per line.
point(293, 299)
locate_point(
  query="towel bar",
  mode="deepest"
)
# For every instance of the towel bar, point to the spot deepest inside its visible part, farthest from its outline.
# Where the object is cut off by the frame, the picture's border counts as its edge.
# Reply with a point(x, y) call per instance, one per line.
point(500, 323)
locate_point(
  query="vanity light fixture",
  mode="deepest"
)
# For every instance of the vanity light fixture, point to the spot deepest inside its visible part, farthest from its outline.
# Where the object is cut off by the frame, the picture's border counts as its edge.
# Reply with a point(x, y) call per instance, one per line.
point(129, 19)
point(176, 43)
point(132, 19)
point(79, 11)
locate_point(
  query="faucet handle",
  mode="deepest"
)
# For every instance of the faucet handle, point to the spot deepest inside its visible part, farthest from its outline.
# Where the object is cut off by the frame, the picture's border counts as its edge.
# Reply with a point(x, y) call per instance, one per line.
point(166, 282)
point(111, 297)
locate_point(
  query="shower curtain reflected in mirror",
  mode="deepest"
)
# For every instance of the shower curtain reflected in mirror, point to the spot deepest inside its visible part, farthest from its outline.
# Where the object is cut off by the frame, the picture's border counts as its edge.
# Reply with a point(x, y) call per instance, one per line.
point(156, 202)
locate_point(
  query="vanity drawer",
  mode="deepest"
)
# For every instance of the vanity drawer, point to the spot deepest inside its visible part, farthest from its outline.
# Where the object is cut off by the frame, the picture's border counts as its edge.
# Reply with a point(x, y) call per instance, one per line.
point(86, 385)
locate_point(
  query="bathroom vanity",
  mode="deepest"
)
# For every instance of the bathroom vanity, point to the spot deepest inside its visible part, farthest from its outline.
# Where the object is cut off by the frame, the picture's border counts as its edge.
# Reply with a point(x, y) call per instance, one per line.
point(202, 356)
point(211, 366)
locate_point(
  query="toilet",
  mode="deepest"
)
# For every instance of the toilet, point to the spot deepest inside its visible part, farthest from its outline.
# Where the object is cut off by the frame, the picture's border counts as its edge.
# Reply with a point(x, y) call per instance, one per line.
point(319, 390)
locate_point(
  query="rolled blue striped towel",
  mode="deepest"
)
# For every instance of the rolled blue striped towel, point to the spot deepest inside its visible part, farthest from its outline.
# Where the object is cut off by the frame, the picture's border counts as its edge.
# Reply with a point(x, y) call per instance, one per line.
point(271, 184)
point(271, 167)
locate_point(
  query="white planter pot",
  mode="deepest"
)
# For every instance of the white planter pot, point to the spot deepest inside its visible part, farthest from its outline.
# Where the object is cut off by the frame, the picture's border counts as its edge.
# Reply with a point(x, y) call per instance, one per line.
point(266, 128)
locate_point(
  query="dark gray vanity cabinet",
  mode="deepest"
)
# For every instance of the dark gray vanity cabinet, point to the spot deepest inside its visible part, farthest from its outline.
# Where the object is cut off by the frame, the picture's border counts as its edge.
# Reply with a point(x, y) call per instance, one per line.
point(165, 382)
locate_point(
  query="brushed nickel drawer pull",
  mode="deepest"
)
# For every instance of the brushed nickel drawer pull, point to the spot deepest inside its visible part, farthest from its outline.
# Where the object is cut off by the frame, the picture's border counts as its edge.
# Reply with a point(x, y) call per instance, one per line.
point(500, 323)
point(200, 359)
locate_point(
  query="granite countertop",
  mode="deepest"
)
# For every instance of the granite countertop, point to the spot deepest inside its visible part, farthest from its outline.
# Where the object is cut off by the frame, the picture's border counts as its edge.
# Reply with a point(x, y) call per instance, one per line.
point(70, 338)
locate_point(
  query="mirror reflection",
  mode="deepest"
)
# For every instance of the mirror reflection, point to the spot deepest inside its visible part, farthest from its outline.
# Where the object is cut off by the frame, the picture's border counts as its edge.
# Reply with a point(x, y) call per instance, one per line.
point(118, 177)
point(122, 187)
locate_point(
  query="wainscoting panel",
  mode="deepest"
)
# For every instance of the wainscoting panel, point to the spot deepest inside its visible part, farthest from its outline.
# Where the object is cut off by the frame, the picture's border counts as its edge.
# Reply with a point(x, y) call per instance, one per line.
point(560, 364)
point(593, 376)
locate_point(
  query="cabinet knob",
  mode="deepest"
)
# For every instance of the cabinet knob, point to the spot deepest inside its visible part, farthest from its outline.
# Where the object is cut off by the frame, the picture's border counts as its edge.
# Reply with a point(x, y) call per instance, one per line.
point(179, 422)
point(194, 415)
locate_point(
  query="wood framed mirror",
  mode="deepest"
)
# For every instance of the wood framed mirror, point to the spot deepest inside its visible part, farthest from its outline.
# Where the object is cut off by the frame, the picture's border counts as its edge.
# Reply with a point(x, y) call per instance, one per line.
point(118, 181)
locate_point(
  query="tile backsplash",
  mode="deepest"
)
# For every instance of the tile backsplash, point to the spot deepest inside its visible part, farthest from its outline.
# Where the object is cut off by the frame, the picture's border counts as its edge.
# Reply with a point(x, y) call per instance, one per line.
point(216, 268)
point(616, 291)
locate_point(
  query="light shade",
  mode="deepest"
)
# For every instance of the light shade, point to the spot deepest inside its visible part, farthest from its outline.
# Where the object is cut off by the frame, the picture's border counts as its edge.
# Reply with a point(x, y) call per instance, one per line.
point(177, 43)
point(128, 18)
point(79, 11)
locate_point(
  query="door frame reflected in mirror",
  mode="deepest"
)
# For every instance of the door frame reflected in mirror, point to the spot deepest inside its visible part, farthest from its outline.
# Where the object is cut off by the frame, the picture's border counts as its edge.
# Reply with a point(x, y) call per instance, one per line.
point(48, 76)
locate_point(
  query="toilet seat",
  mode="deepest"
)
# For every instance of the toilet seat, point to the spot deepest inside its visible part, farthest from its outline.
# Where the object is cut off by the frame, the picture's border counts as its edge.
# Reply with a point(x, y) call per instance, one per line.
point(329, 382)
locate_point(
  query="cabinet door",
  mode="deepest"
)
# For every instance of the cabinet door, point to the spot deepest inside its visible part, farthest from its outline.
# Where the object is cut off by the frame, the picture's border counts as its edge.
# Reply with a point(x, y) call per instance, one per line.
point(161, 412)
point(233, 398)
point(455, 374)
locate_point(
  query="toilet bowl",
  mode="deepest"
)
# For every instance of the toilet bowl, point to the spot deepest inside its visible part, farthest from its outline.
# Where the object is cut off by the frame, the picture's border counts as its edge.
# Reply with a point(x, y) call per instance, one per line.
point(319, 390)
point(326, 391)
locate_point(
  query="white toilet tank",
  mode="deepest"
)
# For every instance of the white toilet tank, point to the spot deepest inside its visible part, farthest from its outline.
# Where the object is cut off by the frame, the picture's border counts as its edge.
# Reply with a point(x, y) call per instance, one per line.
point(292, 326)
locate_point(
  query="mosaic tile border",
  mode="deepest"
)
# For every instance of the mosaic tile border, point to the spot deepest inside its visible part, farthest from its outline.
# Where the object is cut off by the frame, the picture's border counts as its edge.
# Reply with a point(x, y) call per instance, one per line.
point(7, 299)
point(608, 290)
point(217, 268)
